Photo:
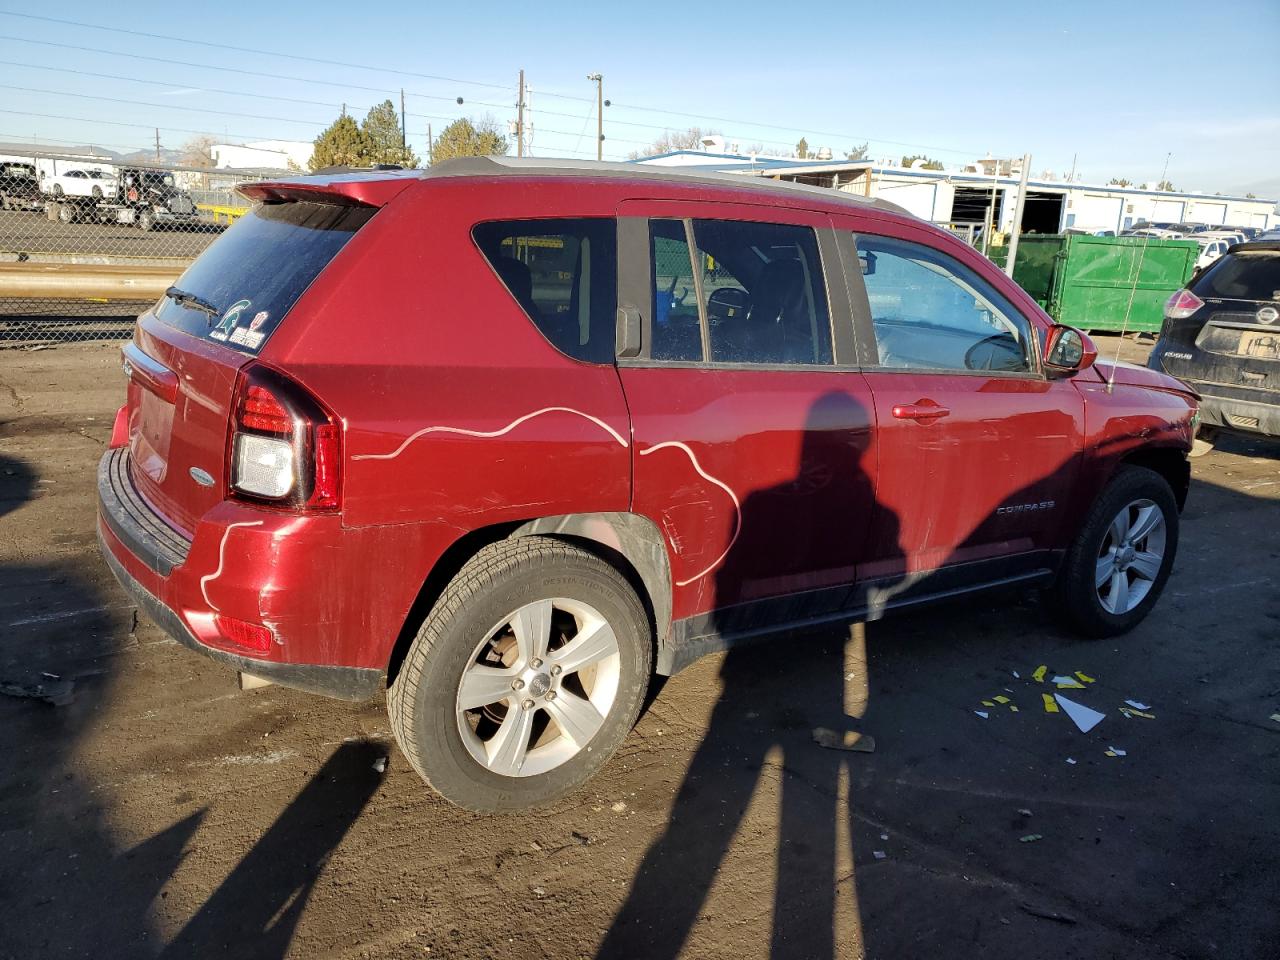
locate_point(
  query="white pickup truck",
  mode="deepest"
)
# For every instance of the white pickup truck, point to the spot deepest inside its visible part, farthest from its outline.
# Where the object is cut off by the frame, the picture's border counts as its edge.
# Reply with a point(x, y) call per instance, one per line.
point(80, 183)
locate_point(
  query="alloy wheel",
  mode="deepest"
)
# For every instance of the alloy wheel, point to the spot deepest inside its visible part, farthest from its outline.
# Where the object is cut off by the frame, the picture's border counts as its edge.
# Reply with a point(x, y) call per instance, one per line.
point(1130, 557)
point(538, 687)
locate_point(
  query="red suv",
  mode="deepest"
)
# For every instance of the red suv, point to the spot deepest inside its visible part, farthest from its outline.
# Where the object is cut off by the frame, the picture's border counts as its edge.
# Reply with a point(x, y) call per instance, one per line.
point(507, 437)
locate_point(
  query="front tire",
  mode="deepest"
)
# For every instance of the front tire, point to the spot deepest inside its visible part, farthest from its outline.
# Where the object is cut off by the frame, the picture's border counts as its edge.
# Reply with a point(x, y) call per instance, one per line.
point(1121, 559)
point(525, 677)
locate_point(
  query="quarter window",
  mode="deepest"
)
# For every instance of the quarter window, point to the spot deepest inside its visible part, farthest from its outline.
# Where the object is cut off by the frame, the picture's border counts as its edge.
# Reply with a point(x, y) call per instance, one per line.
point(563, 274)
point(929, 311)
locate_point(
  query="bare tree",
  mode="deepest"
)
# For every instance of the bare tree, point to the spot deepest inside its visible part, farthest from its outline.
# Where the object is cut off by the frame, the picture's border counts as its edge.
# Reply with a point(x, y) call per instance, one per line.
point(196, 152)
point(672, 140)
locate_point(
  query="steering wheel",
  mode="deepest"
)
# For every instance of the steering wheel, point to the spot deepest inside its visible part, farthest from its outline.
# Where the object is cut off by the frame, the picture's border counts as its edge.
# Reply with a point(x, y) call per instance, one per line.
point(726, 303)
point(998, 352)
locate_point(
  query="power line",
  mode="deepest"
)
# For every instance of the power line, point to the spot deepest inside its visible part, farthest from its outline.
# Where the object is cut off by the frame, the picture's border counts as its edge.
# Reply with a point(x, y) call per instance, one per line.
point(241, 49)
point(750, 124)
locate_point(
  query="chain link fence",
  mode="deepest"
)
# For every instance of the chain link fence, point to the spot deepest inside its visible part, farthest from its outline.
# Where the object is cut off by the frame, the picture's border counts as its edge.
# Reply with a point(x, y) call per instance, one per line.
point(88, 242)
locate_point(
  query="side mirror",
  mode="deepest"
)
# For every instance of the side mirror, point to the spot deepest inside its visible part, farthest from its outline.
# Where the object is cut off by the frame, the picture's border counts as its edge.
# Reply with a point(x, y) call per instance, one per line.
point(1067, 351)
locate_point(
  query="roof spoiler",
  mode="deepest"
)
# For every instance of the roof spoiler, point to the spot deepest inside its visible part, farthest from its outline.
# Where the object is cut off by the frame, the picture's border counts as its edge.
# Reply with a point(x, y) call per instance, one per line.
point(350, 189)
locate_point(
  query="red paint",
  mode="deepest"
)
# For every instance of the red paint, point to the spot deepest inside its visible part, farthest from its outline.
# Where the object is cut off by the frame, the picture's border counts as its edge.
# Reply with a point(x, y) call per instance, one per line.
point(452, 413)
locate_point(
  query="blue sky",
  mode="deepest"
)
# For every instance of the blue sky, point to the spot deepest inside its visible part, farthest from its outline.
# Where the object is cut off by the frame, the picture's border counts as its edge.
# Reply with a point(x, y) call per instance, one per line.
point(1117, 86)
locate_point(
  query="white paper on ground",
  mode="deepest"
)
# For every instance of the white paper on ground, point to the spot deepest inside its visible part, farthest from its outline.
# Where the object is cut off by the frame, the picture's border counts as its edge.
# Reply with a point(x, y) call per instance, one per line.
point(1083, 717)
point(982, 713)
point(1069, 760)
point(1137, 706)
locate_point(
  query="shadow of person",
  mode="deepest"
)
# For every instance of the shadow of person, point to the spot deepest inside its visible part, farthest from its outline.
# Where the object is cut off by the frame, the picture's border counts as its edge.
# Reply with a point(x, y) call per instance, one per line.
point(828, 512)
point(57, 671)
point(255, 911)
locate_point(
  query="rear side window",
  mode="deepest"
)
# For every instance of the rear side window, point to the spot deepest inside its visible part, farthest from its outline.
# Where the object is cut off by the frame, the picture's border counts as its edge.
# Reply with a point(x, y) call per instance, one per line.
point(1241, 276)
point(745, 293)
point(239, 290)
point(563, 273)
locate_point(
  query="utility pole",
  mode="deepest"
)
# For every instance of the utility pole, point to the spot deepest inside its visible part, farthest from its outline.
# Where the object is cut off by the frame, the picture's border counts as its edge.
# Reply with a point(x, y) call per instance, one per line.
point(1017, 214)
point(431, 145)
point(157, 144)
point(404, 131)
point(599, 81)
point(520, 118)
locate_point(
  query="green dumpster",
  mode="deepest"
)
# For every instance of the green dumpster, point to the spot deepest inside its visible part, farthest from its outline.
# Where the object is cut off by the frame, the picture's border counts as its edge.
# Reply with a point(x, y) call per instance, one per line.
point(1104, 283)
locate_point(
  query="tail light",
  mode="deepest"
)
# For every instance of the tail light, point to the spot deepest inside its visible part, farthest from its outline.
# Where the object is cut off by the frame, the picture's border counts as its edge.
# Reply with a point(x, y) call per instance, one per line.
point(286, 448)
point(1182, 305)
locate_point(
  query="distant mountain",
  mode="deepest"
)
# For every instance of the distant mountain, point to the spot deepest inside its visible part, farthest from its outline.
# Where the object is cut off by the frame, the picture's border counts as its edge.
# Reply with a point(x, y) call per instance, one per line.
point(166, 157)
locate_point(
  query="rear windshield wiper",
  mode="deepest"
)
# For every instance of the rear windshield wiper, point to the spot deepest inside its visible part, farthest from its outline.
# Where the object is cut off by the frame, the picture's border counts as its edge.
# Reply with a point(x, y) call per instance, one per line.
point(192, 300)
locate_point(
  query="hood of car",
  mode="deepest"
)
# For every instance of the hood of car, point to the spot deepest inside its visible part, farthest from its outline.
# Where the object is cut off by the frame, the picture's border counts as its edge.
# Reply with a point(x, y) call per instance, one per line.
point(1132, 375)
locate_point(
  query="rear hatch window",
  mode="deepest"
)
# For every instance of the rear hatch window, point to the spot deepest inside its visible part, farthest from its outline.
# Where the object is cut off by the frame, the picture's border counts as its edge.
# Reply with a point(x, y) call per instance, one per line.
point(240, 289)
point(1251, 275)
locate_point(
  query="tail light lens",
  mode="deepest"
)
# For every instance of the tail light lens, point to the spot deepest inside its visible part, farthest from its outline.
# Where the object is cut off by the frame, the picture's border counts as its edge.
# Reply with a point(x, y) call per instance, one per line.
point(286, 448)
point(1182, 305)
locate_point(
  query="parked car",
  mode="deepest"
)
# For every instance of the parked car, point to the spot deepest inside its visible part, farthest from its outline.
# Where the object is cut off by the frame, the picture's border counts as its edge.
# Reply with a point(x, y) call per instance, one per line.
point(1231, 236)
point(80, 183)
point(1222, 335)
point(19, 188)
point(1211, 248)
point(507, 437)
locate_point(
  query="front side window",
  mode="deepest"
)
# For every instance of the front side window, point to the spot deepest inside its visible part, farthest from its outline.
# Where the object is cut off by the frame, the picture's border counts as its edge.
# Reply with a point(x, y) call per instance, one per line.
point(929, 311)
point(563, 274)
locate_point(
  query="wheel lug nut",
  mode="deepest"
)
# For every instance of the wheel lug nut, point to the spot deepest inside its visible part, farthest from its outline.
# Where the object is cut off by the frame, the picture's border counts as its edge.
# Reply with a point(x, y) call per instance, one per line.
point(556, 670)
point(551, 695)
point(535, 663)
point(517, 684)
point(528, 704)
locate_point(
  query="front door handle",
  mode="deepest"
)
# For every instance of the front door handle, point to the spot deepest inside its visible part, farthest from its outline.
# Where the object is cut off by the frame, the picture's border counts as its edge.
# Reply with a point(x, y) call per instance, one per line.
point(922, 411)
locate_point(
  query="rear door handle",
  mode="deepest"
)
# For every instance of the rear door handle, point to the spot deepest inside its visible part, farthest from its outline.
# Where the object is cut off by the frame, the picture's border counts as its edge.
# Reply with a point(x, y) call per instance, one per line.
point(150, 373)
point(922, 411)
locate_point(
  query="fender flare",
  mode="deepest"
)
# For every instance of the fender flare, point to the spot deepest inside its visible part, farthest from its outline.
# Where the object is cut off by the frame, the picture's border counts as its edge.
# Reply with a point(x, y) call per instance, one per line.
point(636, 538)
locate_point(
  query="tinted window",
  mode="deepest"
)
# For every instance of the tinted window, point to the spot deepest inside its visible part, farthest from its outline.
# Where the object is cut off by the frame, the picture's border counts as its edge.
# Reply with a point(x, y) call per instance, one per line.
point(563, 274)
point(763, 293)
point(676, 332)
point(253, 273)
point(1241, 276)
point(931, 312)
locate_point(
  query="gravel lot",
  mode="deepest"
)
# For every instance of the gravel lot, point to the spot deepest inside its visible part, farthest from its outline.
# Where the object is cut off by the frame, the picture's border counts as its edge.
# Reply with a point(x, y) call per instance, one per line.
point(163, 812)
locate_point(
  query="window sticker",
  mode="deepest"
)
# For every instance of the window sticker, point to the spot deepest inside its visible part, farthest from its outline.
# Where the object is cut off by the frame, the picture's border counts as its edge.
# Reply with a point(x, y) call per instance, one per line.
point(229, 320)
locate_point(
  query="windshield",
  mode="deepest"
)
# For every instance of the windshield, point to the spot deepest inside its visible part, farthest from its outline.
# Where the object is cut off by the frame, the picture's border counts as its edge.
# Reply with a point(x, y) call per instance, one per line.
point(1253, 275)
point(255, 272)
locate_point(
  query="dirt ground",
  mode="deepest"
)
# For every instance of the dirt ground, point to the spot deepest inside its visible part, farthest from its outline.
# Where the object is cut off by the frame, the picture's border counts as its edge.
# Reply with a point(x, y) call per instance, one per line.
point(161, 812)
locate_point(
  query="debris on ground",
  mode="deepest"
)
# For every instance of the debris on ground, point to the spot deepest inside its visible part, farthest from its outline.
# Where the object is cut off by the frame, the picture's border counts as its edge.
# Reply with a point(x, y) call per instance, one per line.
point(1040, 672)
point(1024, 811)
point(51, 688)
point(380, 765)
point(1046, 914)
point(844, 740)
point(1082, 716)
point(619, 807)
point(879, 854)
point(1071, 761)
point(1137, 713)
point(1050, 704)
point(1116, 752)
point(1085, 678)
point(1067, 683)
point(982, 713)
point(1031, 838)
point(1276, 717)
point(1136, 705)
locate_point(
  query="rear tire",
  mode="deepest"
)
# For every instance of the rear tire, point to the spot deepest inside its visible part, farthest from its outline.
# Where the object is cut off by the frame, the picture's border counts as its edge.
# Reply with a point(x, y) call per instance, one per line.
point(477, 644)
point(1119, 563)
point(146, 221)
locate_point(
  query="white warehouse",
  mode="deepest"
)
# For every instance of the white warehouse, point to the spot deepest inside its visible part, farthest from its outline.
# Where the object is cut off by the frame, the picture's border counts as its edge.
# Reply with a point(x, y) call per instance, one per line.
point(988, 189)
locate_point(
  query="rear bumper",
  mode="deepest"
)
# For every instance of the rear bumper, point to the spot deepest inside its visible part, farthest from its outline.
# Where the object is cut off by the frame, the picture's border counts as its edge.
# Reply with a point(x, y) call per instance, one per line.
point(343, 683)
point(1239, 408)
point(278, 570)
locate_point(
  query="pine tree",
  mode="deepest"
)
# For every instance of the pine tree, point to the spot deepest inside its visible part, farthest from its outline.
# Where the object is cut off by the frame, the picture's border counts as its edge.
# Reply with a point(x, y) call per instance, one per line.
point(343, 144)
point(463, 138)
point(381, 129)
